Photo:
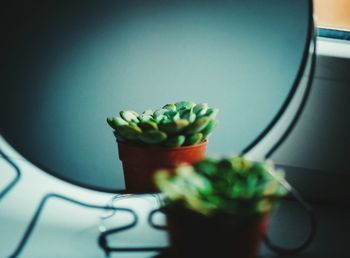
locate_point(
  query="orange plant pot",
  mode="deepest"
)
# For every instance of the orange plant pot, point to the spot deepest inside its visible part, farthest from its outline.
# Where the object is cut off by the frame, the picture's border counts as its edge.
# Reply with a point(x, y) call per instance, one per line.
point(140, 163)
point(203, 237)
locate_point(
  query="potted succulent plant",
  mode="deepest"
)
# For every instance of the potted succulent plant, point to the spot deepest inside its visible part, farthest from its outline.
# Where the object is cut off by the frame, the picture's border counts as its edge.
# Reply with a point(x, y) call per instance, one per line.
point(219, 208)
point(164, 138)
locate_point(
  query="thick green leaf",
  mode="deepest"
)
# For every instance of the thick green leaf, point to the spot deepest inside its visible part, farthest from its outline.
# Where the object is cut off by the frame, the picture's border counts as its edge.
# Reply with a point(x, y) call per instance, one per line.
point(148, 125)
point(175, 141)
point(174, 126)
point(152, 137)
point(115, 121)
point(129, 116)
point(197, 126)
point(209, 128)
point(184, 105)
point(193, 139)
point(128, 132)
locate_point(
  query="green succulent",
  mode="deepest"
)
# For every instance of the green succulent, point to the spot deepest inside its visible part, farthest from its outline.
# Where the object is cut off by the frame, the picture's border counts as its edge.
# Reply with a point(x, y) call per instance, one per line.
point(180, 124)
point(231, 186)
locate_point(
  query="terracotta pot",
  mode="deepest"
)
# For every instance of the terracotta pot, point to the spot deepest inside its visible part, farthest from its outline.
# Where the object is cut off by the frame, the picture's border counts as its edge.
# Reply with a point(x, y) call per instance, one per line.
point(203, 237)
point(140, 163)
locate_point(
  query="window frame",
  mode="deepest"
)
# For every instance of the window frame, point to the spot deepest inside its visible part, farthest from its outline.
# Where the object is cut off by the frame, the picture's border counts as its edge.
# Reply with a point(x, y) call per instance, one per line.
point(333, 33)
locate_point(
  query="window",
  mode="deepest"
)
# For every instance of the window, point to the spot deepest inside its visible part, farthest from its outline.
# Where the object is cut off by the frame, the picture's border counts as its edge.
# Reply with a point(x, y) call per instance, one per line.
point(333, 18)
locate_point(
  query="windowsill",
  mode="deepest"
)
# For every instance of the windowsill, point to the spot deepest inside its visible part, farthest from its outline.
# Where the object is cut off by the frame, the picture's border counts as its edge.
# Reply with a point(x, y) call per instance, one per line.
point(333, 47)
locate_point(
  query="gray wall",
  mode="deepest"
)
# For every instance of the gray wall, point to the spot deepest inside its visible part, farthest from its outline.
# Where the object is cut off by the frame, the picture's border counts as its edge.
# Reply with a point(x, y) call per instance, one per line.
point(315, 155)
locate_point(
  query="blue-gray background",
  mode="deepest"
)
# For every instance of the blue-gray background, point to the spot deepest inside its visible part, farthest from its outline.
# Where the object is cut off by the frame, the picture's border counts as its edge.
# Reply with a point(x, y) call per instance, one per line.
point(67, 66)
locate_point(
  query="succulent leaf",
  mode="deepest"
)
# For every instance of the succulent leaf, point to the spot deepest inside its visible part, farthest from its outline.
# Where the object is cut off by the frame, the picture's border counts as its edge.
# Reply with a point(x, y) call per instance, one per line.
point(115, 121)
point(148, 112)
point(175, 120)
point(160, 111)
point(176, 116)
point(194, 139)
point(152, 137)
point(214, 186)
point(119, 137)
point(148, 125)
point(200, 109)
point(175, 141)
point(212, 113)
point(145, 117)
point(184, 105)
point(206, 167)
point(188, 115)
point(170, 107)
point(209, 128)
point(129, 132)
point(172, 115)
point(110, 122)
point(129, 116)
point(174, 126)
point(198, 125)
point(159, 118)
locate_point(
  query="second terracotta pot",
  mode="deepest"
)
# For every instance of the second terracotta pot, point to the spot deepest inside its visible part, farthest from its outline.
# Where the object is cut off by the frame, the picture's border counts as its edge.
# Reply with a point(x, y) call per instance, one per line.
point(221, 237)
point(140, 163)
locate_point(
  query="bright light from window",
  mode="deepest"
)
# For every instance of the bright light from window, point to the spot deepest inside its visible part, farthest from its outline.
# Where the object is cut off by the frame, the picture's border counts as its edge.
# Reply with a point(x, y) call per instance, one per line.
point(333, 14)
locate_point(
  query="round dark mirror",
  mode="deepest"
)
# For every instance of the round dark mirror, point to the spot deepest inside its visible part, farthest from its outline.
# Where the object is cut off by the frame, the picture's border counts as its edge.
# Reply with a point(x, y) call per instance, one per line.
point(68, 65)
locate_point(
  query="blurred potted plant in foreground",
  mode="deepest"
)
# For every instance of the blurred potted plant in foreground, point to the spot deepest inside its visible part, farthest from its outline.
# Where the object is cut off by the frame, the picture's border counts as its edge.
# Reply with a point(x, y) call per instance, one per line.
point(164, 138)
point(219, 208)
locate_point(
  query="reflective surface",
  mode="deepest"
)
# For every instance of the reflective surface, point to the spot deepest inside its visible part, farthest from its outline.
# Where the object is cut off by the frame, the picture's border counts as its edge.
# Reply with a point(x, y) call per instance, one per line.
point(67, 66)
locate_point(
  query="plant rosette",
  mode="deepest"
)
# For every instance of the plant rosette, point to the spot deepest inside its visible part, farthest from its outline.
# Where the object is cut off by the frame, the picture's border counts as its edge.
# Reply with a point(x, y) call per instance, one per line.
point(164, 138)
point(219, 208)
